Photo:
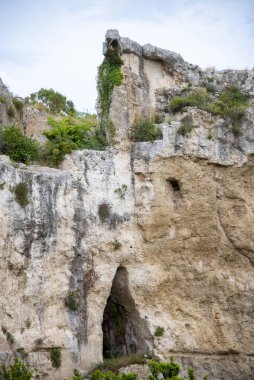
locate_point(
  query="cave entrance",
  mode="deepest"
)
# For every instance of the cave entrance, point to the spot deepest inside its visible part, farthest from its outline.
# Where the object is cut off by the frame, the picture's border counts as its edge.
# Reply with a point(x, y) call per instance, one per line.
point(124, 331)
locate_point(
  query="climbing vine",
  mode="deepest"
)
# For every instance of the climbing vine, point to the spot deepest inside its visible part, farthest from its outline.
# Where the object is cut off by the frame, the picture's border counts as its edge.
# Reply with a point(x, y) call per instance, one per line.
point(109, 76)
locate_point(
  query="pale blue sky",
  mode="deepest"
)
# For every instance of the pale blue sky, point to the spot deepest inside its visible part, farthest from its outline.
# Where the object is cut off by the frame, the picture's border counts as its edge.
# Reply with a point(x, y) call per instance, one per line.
point(58, 43)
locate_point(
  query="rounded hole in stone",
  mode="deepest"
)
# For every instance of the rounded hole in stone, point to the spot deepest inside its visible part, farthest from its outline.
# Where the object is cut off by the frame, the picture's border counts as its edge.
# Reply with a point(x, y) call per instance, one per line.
point(124, 331)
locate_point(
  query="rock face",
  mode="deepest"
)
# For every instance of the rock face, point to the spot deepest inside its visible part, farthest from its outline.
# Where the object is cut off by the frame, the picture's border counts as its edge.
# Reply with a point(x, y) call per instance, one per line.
point(154, 234)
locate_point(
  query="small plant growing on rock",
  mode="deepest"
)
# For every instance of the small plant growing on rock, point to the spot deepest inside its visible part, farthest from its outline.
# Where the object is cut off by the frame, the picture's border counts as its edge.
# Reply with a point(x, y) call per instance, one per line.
point(145, 130)
point(157, 118)
point(73, 300)
point(209, 135)
point(17, 103)
point(159, 331)
point(11, 111)
point(3, 99)
point(56, 357)
point(76, 375)
point(16, 371)
point(121, 191)
point(185, 129)
point(117, 245)
point(21, 194)
point(28, 323)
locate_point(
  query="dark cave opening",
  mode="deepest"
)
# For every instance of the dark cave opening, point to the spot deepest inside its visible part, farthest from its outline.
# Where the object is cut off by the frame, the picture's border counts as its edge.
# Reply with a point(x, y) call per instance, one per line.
point(124, 331)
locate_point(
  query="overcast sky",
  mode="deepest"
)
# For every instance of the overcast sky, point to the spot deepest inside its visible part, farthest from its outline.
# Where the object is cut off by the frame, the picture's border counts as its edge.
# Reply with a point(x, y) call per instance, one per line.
point(58, 43)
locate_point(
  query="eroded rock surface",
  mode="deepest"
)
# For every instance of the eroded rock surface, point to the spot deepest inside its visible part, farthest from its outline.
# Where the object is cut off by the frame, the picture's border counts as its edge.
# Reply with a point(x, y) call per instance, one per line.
point(176, 215)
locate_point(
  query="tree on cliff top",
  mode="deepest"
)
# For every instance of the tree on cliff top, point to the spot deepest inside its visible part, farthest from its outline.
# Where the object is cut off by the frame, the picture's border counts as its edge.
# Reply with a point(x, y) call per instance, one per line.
point(53, 101)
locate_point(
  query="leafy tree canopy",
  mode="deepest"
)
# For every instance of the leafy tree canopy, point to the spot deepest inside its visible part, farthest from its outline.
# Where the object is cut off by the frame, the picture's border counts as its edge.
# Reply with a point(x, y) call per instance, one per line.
point(53, 101)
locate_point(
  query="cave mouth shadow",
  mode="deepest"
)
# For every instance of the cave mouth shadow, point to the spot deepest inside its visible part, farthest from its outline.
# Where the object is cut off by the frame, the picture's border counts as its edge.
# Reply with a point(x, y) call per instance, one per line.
point(124, 331)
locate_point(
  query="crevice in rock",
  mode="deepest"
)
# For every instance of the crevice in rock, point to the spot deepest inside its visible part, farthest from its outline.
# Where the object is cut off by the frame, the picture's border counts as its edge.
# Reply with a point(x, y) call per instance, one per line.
point(175, 191)
point(124, 331)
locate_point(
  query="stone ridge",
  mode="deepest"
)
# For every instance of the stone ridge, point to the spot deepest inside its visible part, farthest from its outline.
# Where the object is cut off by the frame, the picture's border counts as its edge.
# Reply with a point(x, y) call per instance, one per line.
point(149, 51)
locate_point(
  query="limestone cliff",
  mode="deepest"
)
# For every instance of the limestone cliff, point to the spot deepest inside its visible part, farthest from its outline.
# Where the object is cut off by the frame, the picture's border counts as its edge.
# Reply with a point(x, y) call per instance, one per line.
point(141, 235)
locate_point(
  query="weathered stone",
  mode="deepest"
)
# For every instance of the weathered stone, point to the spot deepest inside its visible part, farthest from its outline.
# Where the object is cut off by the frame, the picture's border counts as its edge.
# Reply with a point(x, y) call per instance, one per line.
point(182, 234)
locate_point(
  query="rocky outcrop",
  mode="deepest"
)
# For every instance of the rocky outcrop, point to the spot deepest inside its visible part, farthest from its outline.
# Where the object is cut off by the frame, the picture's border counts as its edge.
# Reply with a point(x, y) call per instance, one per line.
point(151, 234)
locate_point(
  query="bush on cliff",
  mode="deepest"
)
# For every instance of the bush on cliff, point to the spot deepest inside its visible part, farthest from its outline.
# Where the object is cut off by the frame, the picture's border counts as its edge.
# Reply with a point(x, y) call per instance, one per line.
point(16, 371)
point(18, 146)
point(145, 130)
point(71, 133)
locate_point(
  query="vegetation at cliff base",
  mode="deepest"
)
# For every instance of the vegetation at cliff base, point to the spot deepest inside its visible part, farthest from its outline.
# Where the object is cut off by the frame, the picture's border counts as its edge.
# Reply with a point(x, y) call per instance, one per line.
point(19, 147)
point(72, 300)
point(16, 371)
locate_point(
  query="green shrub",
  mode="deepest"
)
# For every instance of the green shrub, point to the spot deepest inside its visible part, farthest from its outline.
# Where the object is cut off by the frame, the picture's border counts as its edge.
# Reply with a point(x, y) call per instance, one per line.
point(72, 300)
point(99, 375)
point(179, 103)
point(197, 97)
point(157, 118)
point(121, 191)
point(184, 129)
point(17, 103)
point(233, 96)
point(232, 103)
point(21, 192)
point(3, 99)
point(56, 357)
point(17, 146)
point(11, 111)
point(191, 374)
point(145, 130)
point(76, 375)
point(71, 133)
point(159, 331)
point(16, 371)
point(164, 370)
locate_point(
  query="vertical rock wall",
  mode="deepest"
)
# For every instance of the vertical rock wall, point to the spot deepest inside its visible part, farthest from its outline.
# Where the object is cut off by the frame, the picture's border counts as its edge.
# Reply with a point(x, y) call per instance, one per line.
point(176, 216)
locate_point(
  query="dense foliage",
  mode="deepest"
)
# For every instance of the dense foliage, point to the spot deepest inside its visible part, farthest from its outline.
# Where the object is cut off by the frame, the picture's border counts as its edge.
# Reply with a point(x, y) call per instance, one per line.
point(18, 146)
point(231, 104)
point(70, 133)
point(53, 101)
point(16, 371)
point(109, 75)
point(99, 375)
